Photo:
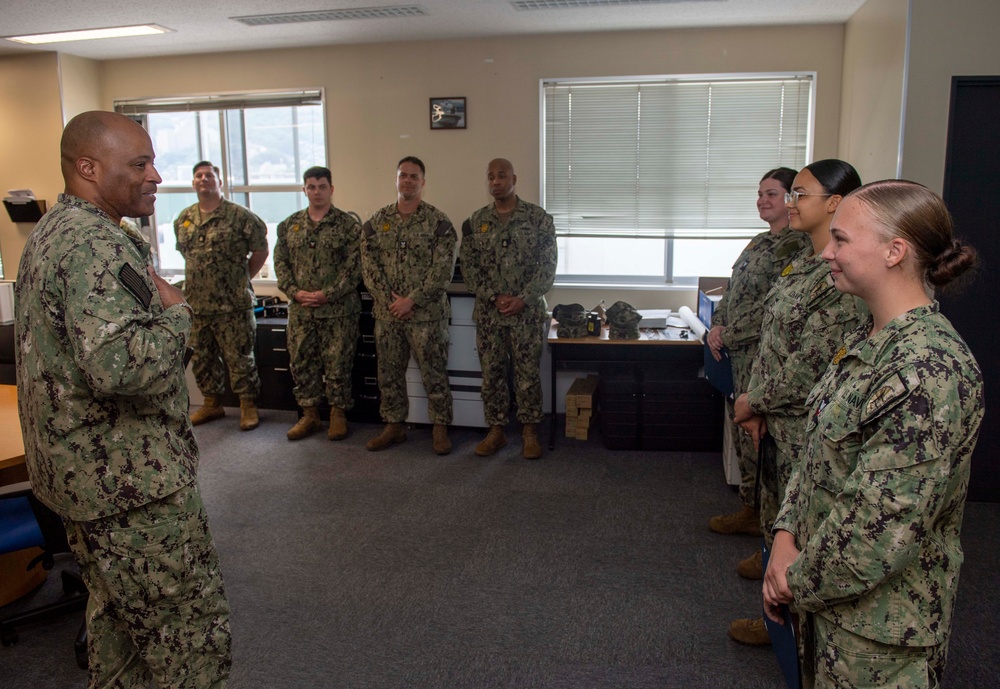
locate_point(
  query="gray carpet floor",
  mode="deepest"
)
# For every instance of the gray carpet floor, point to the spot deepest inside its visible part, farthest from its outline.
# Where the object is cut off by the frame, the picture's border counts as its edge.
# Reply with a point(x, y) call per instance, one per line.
point(401, 569)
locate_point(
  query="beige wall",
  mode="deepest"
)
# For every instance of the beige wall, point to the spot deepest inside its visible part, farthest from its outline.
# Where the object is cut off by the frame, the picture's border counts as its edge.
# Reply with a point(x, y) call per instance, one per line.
point(30, 127)
point(377, 97)
point(80, 80)
point(377, 102)
point(872, 101)
point(957, 38)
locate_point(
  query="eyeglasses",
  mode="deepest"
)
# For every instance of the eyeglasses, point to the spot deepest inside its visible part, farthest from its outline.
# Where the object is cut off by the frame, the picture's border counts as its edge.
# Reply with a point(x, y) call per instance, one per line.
point(793, 197)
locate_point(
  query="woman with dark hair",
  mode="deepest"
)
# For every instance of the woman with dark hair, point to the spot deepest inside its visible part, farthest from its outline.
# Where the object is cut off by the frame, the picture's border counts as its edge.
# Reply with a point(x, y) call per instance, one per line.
point(805, 321)
point(736, 327)
point(876, 504)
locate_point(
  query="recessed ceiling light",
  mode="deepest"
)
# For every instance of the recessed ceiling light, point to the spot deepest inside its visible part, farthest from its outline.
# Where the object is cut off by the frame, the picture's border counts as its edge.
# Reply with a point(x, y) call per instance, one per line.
point(394, 12)
point(90, 34)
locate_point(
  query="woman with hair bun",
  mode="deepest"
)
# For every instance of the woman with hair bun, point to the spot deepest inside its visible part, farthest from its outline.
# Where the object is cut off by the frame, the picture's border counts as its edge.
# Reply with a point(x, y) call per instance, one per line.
point(805, 321)
point(866, 544)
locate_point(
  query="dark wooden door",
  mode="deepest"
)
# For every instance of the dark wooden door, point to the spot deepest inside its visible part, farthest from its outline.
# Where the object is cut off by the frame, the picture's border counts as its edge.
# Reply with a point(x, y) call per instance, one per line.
point(972, 192)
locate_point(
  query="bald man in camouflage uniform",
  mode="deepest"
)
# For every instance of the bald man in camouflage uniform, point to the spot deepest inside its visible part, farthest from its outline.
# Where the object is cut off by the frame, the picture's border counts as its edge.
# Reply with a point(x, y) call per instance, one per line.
point(224, 245)
point(408, 257)
point(103, 407)
point(876, 504)
point(508, 258)
point(317, 260)
point(737, 320)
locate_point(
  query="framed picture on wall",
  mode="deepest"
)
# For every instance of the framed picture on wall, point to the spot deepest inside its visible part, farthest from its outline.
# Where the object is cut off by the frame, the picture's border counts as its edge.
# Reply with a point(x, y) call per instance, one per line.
point(448, 113)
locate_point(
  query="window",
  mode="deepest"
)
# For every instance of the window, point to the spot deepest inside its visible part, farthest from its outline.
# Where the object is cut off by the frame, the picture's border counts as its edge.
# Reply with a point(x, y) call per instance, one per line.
point(261, 142)
point(653, 180)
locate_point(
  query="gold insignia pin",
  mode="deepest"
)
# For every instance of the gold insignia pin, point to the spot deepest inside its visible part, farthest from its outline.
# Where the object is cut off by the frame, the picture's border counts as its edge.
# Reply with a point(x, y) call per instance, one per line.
point(295, 228)
point(841, 353)
point(787, 270)
point(385, 227)
point(187, 223)
point(484, 227)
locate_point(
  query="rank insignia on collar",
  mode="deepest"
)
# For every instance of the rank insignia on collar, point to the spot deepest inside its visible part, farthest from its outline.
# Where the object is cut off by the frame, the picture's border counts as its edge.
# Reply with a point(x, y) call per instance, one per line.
point(187, 223)
point(787, 270)
point(484, 228)
point(385, 227)
point(295, 228)
point(841, 353)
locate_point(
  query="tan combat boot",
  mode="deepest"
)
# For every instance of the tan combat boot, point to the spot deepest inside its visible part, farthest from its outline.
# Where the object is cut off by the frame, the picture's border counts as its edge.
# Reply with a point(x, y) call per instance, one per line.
point(442, 445)
point(532, 448)
point(751, 567)
point(742, 522)
point(307, 425)
point(493, 441)
point(392, 433)
point(248, 415)
point(750, 632)
point(211, 409)
point(338, 424)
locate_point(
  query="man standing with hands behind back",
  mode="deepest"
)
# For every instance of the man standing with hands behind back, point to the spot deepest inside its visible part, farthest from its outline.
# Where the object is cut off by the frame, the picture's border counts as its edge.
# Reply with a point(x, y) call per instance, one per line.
point(317, 260)
point(508, 259)
point(103, 406)
point(224, 245)
point(408, 257)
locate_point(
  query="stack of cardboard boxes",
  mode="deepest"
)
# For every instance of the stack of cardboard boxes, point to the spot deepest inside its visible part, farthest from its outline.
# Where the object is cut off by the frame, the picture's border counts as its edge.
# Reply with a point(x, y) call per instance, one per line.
point(580, 406)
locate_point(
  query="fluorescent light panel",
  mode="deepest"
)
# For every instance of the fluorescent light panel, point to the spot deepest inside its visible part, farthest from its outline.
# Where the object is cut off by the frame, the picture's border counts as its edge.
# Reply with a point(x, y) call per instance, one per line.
point(523, 5)
point(90, 34)
point(333, 15)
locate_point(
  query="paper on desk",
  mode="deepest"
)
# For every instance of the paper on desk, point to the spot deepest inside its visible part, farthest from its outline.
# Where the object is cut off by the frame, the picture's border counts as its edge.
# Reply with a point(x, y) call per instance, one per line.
point(697, 327)
point(654, 318)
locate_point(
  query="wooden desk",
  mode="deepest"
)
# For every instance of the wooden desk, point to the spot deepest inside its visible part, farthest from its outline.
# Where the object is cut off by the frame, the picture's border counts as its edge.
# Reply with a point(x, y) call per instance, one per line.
point(667, 346)
point(11, 442)
point(15, 580)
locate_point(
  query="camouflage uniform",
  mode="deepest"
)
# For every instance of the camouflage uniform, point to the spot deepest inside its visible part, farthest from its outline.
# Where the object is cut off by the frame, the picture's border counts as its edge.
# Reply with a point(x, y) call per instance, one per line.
point(517, 258)
point(806, 318)
point(108, 446)
point(217, 285)
point(322, 340)
point(876, 503)
point(741, 312)
point(414, 258)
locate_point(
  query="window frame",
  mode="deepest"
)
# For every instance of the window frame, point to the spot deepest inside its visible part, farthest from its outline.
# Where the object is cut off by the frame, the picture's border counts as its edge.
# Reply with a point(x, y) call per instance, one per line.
point(669, 278)
point(222, 104)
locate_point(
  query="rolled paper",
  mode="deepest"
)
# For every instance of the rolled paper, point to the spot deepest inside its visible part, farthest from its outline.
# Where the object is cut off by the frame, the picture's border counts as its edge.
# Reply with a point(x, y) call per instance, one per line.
point(697, 327)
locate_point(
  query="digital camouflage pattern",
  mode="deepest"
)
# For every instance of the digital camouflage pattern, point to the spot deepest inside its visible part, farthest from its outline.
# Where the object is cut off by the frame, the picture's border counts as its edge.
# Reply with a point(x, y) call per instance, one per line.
point(414, 258)
point(741, 308)
point(109, 447)
point(805, 321)
point(428, 342)
point(741, 311)
point(322, 340)
point(216, 249)
point(516, 258)
point(876, 504)
point(321, 353)
point(838, 659)
point(323, 256)
point(224, 341)
point(157, 607)
point(101, 389)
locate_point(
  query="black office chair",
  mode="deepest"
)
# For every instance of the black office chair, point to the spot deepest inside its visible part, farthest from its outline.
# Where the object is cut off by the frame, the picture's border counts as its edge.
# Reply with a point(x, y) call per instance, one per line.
point(24, 523)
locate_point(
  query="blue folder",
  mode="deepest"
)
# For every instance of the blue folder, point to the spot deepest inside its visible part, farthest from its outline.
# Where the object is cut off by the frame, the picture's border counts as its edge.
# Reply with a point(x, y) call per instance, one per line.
point(719, 373)
point(783, 638)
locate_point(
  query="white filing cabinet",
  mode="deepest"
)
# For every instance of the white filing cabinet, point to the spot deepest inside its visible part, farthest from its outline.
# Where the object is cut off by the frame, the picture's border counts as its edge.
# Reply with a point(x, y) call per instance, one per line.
point(464, 372)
